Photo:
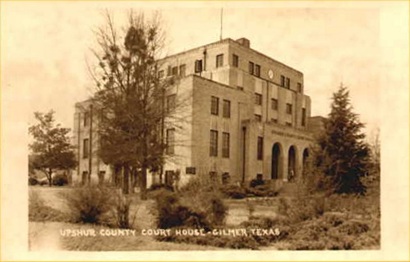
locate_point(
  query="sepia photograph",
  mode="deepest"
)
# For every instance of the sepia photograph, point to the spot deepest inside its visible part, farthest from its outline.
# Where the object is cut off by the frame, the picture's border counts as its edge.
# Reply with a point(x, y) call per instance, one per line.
point(249, 130)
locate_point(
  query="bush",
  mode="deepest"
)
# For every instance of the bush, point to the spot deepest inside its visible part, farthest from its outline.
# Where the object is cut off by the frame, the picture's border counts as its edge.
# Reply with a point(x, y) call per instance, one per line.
point(234, 191)
point(264, 190)
point(60, 180)
point(158, 186)
point(257, 182)
point(197, 204)
point(32, 181)
point(172, 213)
point(89, 204)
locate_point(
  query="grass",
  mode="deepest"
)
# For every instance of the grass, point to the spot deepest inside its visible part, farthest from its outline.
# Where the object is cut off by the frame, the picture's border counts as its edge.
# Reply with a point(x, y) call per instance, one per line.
point(348, 222)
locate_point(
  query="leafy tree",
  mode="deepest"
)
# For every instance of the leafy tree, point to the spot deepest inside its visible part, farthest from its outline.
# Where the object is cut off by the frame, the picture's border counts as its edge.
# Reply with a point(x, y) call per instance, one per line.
point(51, 149)
point(130, 96)
point(344, 154)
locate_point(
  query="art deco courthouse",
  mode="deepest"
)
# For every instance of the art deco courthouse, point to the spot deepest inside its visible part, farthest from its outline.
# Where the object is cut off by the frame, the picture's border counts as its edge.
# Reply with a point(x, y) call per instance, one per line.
point(246, 115)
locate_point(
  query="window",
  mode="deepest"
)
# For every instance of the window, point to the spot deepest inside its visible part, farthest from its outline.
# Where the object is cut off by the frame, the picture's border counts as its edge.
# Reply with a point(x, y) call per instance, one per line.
point(274, 120)
point(213, 144)
point(175, 71)
point(287, 82)
point(169, 71)
point(190, 170)
point(258, 99)
point(258, 117)
point(282, 80)
point(235, 60)
point(170, 150)
point(161, 74)
point(198, 66)
point(226, 109)
point(288, 123)
point(303, 116)
point(251, 65)
point(274, 104)
point(182, 69)
point(171, 103)
point(86, 147)
point(260, 148)
point(257, 70)
point(300, 88)
point(214, 105)
point(225, 145)
point(288, 108)
point(86, 118)
point(219, 60)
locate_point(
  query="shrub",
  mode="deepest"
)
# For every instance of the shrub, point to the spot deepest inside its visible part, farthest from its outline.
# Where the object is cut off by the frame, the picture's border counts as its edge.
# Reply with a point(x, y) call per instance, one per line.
point(32, 181)
point(194, 206)
point(257, 182)
point(172, 213)
point(60, 180)
point(89, 204)
point(157, 186)
point(120, 215)
point(234, 191)
point(264, 190)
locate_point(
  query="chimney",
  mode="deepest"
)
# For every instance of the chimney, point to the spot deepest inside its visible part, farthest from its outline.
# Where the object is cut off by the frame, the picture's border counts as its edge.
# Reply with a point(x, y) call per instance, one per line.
point(244, 41)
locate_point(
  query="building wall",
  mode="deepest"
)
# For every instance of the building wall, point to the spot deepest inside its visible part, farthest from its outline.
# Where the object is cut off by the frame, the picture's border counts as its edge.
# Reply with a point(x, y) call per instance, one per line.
point(192, 119)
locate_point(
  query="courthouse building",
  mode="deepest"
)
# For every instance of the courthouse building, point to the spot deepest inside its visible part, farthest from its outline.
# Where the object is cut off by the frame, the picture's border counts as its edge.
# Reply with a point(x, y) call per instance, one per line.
point(245, 115)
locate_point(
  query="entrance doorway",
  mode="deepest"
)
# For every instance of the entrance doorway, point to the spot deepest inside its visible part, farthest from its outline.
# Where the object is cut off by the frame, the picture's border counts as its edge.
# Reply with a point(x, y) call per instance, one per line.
point(291, 163)
point(276, 156)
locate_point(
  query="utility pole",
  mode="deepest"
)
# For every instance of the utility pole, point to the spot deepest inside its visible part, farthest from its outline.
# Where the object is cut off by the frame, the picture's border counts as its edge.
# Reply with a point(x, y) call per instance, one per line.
point(222, 12)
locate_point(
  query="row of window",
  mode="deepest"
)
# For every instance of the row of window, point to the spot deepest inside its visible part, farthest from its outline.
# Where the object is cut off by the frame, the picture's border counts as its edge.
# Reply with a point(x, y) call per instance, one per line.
point(226, 107)
point(213, 144)
point(274, 103)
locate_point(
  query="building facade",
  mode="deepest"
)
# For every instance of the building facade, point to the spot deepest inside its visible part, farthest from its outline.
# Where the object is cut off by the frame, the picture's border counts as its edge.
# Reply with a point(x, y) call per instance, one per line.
point(245, 115)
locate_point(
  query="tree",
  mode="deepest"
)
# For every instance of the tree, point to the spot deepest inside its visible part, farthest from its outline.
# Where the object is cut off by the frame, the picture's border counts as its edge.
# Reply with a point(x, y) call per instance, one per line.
point(130, 95)
point(51, 149)
point(344, 154)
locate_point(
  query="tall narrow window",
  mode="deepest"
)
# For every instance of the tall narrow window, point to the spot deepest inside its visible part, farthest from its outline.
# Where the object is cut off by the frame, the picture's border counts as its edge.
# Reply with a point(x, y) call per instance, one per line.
point(226, 109)
point(225, 145)
point(169, 71)
point(213, 143)
point(251, 65)
point(287, 82)
point(288, 108)
point(198, 66)
point(260, 148)
point(258, 99)
point(171, 103)
point(214, 105)
point(300, 88)
point(303, 116)
point(86, 118)
point(274, 104)
point(219, 60)
point(235, 60)
point(282, 80)
point(175, 71)
point(182, 69)
point(170, 149)
point(257, 70)
point(86, 147)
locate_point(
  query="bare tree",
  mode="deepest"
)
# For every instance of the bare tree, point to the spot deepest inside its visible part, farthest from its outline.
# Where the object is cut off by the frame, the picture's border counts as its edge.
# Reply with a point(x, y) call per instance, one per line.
point(130, 97)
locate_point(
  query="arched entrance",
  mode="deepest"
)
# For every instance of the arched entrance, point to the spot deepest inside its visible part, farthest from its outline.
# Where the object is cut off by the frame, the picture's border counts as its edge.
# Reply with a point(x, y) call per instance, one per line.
point(291, 163)
point(275, 169)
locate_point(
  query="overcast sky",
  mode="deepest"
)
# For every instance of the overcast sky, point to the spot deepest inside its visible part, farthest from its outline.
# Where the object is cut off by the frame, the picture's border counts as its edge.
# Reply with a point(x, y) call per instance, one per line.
point(45, 46)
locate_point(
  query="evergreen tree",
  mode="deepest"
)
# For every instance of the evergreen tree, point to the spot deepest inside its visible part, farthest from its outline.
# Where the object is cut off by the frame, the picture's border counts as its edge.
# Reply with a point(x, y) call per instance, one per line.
point(344, 154)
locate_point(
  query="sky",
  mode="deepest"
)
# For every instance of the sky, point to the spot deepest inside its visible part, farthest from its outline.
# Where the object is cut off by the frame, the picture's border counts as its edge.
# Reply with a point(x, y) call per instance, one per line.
point(46, 46)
